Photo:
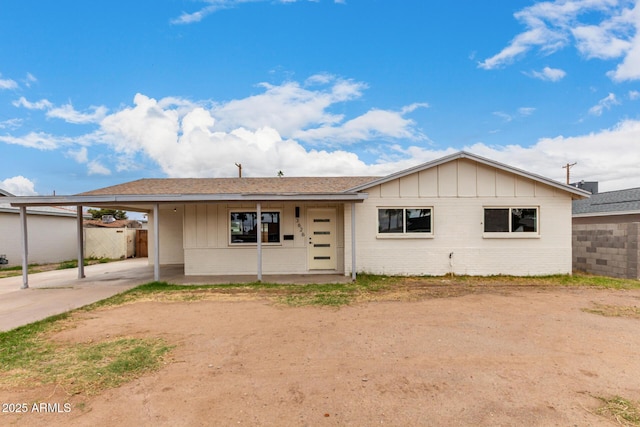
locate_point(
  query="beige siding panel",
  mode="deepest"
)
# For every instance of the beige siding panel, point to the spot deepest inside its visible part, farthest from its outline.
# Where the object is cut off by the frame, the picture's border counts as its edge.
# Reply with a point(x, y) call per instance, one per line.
point(525, 187)
point(212, 226)
point(201, 221)
point(505, 184)
point(486, 181)
point(390, 189)
point(171, 235)
point(190, 226)
point(467, 178)
point(428, 181)
point(542, 190)
point(448, 180)
point(409, 186)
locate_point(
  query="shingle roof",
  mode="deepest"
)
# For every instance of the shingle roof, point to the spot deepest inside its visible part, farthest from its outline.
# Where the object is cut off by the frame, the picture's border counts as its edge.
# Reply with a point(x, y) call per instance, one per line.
point(284, 185)
point(610, 201)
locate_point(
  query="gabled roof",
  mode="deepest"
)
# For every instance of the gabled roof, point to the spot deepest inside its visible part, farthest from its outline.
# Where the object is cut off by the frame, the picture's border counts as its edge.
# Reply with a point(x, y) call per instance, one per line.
point(619, 202)
point(5, 193)
point(465, 155)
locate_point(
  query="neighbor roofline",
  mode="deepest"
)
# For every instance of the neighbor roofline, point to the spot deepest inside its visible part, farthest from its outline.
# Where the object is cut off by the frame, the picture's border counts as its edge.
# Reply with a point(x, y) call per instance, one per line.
point(612, 213)
point(466, 155)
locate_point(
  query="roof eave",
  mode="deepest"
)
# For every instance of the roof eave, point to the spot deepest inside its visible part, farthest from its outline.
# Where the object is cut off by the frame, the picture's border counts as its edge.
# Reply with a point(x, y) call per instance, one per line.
point(179, 198)
point(612, 213)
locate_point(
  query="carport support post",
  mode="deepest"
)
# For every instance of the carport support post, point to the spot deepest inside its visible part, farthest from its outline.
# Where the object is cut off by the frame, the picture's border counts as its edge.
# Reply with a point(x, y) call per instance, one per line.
point(156, 246)
point(80, 245)
point(25, 248)
point(259, 239)
point(353, 241)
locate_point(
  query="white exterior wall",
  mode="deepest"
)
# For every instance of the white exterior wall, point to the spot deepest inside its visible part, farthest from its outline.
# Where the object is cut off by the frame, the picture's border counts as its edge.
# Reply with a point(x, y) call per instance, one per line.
point(171, 241)
point(458, 192)
point(207, 250)
point(50, 238)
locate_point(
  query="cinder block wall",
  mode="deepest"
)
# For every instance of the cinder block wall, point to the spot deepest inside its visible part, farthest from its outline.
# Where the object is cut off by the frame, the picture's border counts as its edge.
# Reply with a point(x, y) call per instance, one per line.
point(607, 249)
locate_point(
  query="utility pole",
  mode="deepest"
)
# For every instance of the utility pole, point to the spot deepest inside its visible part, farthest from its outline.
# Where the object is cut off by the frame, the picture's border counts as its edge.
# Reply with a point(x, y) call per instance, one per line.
point(239, 165)
point(568, 166)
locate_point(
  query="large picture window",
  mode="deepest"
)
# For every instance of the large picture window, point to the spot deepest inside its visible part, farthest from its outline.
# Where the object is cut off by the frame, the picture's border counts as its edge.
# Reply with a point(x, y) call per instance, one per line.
point(511, 220)
point(244, 227)
point(404, 220)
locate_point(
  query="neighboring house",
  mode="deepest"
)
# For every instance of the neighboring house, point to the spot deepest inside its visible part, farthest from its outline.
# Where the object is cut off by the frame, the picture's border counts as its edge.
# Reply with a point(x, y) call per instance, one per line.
point(51, 233)
point(113, 238)
point(606, 234)
point(460, 214)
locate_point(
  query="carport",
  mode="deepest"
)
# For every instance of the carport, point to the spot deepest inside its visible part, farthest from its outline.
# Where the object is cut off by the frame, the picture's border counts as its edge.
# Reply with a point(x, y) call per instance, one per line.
point(151, 204)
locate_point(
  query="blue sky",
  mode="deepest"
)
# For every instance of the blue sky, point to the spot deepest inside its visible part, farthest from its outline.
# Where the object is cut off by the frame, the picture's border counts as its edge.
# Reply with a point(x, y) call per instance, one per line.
point(98, 93)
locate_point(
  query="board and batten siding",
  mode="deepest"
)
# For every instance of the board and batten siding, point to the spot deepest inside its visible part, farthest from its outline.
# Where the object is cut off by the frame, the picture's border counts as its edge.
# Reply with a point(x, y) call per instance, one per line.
point(458, 192)
point(207, 250)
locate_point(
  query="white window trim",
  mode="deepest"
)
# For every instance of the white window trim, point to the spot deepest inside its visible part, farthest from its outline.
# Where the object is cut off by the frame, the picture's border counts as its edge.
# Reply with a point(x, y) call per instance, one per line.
point(251, 244)
point(404, 234)
point(512, 234)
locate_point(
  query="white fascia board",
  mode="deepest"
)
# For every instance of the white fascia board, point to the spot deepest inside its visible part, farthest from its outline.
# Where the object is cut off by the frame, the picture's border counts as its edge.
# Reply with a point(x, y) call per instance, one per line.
point(178, 198)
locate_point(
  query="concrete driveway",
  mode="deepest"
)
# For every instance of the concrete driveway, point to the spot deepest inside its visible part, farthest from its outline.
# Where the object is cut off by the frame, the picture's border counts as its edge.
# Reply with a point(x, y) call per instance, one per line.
point(58, 291)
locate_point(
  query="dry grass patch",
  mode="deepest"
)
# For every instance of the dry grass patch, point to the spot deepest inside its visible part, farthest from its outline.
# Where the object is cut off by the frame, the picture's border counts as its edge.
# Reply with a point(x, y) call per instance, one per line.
point(624, 412)
point(614, 310)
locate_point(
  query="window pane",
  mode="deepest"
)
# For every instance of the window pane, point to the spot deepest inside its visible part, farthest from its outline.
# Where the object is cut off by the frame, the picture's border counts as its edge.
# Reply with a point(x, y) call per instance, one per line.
point(243, 227)
point(496, 220)
point(390, 220)
point(418, 220)
point(524, 220)
point(271, 227)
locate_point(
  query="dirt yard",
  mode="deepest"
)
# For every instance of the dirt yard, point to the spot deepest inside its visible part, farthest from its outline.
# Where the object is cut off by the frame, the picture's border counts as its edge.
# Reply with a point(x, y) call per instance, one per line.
point(530, 357)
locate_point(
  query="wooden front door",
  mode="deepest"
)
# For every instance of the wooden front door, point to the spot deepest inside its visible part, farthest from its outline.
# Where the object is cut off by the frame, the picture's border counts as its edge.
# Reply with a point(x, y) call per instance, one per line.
point(321, 239)
point(141, 244)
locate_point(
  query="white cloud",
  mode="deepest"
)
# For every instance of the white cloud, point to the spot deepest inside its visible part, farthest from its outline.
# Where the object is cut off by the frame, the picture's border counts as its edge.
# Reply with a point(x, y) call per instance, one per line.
point(548, 74)
point(606, 156)
point(80, 155)
point(526, 111)
point(504, 116)
point(71, 115)
point(216, 5)
point(19, 186)
point(7, 84)
point(289, 107)
point(604, 104)
point(38, 140)
point(29, 79)
point(634, 94)
point(65, 112)
point(553, 25)
point(43, 104)
point(94, 167)
point(11, 124)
